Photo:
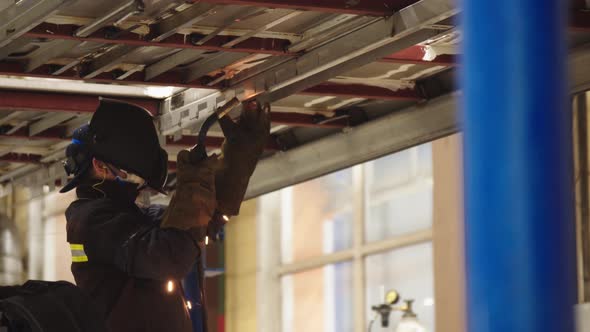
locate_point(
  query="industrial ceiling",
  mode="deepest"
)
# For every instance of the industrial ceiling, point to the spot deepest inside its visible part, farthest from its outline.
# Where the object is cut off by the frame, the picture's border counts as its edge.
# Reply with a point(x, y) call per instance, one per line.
point(327, 66)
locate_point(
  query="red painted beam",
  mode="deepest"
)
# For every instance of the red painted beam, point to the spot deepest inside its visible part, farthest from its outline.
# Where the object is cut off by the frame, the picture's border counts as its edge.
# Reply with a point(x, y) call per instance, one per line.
point(360, 7)
point(580, 20)
point(63, 102)
point(58, 133)
point(174, 79)
point(21, 158)
point(415, 55)
point(166, 79)
point(271, 46)
point(361, 91)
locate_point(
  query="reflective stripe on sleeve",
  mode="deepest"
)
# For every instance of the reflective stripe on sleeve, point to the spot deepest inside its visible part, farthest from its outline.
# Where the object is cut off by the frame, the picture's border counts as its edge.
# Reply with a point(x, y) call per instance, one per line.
point(78, 253)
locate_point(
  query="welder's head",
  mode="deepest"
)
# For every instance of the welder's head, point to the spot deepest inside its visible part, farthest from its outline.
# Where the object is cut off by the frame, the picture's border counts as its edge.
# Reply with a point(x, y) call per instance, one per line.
point(122, 137)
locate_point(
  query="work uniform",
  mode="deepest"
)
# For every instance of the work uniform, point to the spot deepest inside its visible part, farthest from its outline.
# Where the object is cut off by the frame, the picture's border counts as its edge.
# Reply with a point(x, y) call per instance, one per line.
point(124, 256)
point(128, 265)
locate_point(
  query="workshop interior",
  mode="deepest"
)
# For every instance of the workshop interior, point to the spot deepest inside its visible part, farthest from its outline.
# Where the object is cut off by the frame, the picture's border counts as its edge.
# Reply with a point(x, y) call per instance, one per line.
point(421, 166)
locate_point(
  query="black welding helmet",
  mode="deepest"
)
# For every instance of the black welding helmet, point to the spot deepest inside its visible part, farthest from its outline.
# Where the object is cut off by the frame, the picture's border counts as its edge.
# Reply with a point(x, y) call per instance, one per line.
point(124, 135)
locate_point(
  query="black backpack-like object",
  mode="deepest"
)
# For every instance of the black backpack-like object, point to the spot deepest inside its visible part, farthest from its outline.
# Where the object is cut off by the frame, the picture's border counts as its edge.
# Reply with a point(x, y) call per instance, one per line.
point(43, 306)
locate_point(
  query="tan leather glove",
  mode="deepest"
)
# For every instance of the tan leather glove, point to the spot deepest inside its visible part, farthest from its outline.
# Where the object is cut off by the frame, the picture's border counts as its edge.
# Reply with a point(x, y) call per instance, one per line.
point(244, 143)
point(193, 203)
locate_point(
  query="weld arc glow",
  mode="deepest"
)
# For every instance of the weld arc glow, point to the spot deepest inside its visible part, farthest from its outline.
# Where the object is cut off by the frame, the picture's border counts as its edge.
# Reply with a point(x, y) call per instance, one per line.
point(170, 286)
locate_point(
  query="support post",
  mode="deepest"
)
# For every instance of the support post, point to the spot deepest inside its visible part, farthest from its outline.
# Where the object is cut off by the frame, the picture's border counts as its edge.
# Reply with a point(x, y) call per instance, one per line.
point(520, 234)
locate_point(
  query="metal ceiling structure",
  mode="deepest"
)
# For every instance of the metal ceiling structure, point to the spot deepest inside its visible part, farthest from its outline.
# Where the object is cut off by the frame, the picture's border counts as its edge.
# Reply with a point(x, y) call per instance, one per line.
point(327, 66)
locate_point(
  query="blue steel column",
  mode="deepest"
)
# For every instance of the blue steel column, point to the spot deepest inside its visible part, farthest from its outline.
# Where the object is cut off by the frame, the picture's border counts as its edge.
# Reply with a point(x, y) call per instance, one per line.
point(520, 238)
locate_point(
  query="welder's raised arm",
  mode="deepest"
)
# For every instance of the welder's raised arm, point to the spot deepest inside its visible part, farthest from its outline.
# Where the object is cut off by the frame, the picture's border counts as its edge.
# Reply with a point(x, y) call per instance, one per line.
point(193, 202)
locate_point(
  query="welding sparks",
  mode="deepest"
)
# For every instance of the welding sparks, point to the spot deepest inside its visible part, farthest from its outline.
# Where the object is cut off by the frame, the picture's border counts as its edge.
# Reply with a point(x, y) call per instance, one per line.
point(170, 286)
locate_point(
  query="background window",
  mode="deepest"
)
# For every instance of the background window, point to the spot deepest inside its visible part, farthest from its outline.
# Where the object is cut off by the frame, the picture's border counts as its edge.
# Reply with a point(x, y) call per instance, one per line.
point(320, 252)
point(318, 300)
point(399, 194)
point(316, 217)
point(409, 271)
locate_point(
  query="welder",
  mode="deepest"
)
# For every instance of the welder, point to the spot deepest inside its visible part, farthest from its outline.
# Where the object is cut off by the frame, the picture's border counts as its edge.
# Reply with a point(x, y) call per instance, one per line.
point(122, 255)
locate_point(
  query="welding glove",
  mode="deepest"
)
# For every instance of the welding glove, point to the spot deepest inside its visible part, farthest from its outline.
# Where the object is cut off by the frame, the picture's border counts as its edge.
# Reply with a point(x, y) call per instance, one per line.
point(193, 203)
point(244, 142)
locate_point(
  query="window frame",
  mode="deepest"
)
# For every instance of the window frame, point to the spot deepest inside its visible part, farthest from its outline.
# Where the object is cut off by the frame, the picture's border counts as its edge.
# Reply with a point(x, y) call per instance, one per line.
point(269, 288)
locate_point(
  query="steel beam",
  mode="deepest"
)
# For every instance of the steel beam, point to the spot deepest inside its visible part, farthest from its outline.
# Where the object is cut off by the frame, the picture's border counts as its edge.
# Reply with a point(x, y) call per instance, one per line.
point(60, 133)
point(21, 158)
point(138, 78)
point(374, 8)
point(519, 223)
point(307, 120)
point(329, 30)
point(8, 117)
point(129, 72)
point(60, 102)
point(392, 133)
point(239, 16)
point(211, 63)
point(271, 46)
point(12, 47)
point(26, 158)
point(171, 62)
point(18, 18)
point(361, 91)
point(129, 7)
point(212, 142)
point(67, 67)
point(53, 134)
point(53, 157)
point(54, 49)
point(404, 29)
point(415, 125)
point(105, 62)
point(265, 27)
point(403, 129)
point(17, 127)
point(169, 26)
point(49, 121)
point(415, 55)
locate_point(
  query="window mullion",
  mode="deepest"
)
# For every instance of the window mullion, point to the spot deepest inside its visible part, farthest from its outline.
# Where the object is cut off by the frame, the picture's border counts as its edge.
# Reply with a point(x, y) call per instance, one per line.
point(359, 199)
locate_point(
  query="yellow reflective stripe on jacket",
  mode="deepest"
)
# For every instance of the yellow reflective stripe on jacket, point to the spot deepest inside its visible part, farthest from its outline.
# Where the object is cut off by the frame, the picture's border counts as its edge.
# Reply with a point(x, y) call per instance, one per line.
point(78, 253)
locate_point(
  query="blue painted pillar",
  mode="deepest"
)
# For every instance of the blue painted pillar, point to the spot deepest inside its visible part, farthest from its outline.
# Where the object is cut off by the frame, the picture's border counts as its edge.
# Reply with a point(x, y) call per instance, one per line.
point(520, 229)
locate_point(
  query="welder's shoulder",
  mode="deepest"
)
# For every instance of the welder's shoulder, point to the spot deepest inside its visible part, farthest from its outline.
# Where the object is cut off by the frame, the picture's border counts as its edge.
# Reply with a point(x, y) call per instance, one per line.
point(95, 211)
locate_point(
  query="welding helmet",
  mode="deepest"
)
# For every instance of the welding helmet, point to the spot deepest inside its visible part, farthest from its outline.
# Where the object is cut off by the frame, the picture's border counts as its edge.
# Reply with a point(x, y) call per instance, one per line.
point(123, 135)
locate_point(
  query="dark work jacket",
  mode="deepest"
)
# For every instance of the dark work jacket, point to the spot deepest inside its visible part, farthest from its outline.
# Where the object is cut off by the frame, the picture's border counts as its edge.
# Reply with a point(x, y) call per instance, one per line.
point(124, 261)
